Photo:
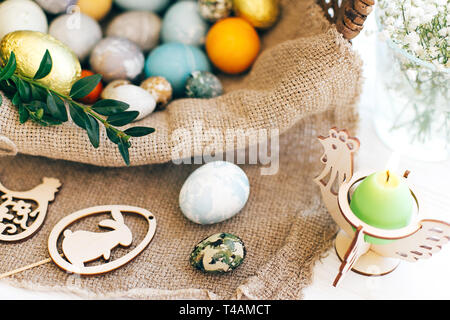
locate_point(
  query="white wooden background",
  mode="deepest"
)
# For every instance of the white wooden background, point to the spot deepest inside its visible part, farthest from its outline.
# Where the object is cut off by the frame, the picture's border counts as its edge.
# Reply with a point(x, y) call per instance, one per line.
point(429, 279)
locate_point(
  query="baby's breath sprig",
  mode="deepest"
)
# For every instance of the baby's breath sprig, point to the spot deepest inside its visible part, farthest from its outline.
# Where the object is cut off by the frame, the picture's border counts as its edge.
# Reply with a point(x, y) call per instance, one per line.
point(47, 107)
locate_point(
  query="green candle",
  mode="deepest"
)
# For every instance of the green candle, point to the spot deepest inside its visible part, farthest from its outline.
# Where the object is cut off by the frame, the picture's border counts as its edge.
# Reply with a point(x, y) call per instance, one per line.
point(383, 200)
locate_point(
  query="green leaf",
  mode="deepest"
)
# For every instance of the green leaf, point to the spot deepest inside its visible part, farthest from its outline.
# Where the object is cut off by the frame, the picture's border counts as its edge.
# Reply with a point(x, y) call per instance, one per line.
point(78, 116)
point(24, 115)
point(24, 90)
point(123, 118)
point(84, 86)
point(8, 89)
point(1, 99)
point(37, 93)
point(139, 131)
point(56, 107)
point(36, 105)
point(16, 100)
point(123, 149)
point(45, 66)
point(93, 130)
point(9, 69)
point(109, 107)
point(112, 135)
point(49, 121)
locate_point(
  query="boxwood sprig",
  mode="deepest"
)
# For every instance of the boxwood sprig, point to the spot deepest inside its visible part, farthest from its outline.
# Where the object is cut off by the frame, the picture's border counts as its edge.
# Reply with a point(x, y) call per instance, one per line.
point(45, 106)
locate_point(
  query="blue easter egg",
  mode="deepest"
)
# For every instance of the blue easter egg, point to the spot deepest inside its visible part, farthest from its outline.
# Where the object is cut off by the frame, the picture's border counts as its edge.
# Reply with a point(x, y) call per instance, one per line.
point(183, 23)
point(215, 192)
point(142, 5)
point(175, 62)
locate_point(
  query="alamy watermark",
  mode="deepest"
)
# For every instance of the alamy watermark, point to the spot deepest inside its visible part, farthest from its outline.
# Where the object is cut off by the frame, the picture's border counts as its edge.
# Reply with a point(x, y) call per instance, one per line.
point(199, 145)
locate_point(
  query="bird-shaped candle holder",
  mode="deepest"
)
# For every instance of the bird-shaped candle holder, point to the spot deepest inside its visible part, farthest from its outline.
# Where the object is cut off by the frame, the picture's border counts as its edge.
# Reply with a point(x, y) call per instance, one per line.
point(418, 240)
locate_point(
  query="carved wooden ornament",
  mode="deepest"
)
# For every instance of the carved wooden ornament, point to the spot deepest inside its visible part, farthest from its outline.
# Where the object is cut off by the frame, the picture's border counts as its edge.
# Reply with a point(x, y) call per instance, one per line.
point(80, 247)
point(419, 240)
point(23, 213)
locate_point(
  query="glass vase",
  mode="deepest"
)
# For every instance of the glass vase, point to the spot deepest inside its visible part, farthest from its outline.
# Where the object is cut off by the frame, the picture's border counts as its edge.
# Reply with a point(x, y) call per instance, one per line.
point(412, 113)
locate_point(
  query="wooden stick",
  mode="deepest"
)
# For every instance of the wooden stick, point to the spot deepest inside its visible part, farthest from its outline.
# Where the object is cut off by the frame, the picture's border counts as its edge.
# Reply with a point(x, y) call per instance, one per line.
point(22, 269)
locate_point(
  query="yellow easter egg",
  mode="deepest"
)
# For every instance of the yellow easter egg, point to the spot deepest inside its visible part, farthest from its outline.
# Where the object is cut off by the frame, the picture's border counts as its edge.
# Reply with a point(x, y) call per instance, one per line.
point(261, 14)
point(97, 9)
point(29, 47)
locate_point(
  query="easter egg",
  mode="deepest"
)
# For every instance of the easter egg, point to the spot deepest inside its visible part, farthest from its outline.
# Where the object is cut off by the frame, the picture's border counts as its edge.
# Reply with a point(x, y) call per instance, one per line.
point(94, 95)
point(138, 99)
point(143, 5)
point(111, 86)
point(66, 68)
point(159, 88)
point(215, 192)
point(56, 6)
point(78, 31)
point(117, 58)
point(213, 10)
point(232, 45)
point(183, 23)
point(383, 200)
point(175, 62)
point(219, 253)
point(97, 9)
point(260, 13)
point(141, 27)
point(21, 15)
point(203, 84)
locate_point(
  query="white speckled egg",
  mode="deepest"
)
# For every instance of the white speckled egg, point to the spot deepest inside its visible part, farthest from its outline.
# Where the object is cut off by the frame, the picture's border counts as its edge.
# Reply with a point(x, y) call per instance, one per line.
point(18, 15)
point(183, 23)
point(214, 193)
point(111, 86)
point(117, 58)
point(56, 6)
point(141, 27)
point(78, 31)
point(138, 99)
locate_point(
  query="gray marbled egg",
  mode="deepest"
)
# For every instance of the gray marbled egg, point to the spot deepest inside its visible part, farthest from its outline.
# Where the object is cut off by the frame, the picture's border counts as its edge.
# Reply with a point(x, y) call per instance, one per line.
point(56, 6)
point(141, 27)
point(203, 84)
point(219, 253)
point(117, 58)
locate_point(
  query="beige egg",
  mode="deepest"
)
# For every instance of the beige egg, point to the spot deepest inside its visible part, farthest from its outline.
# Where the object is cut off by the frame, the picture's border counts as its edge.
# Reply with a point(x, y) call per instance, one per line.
point(138, 99)
point(159, 88)
point(117, 58)
point(111, 86)
point(141, 27)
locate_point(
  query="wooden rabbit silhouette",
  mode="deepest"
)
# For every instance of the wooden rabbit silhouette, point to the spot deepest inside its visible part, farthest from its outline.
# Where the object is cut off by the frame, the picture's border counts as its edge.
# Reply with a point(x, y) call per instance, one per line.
point(16, 209)
point(81, 246)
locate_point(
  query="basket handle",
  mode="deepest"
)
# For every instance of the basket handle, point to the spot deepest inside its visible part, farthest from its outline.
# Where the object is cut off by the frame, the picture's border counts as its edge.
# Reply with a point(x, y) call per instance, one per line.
point(348, 15)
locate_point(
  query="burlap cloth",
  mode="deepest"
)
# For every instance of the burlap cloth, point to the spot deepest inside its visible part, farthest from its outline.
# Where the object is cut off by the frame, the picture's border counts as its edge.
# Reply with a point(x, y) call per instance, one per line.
point(306, 80)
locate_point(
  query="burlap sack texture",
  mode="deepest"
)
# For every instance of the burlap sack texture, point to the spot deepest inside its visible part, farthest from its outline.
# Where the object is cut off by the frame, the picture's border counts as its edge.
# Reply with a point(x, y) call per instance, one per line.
point(306, 80)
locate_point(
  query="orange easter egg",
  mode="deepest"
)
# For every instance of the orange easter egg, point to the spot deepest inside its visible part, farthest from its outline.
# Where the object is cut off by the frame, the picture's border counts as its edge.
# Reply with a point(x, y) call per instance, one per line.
point(96, 9)
point(92, 97)
point(232, 45)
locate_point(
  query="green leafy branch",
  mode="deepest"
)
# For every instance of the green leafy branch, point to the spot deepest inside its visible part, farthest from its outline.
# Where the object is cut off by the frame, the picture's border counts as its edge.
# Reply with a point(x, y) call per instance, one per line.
point(47, 107)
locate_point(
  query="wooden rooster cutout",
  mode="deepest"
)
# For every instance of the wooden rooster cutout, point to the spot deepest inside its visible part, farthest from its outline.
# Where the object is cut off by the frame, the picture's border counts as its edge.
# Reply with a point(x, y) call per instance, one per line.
point(22, 213)
point(419, 240)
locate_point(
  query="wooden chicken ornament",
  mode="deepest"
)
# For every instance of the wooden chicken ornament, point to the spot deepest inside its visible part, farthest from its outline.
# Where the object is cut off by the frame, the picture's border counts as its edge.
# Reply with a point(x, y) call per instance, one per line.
point(23, 213)
point(419, 240)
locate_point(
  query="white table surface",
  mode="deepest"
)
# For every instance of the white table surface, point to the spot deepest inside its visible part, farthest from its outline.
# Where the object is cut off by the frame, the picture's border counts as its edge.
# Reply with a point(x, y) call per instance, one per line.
point(428, 279)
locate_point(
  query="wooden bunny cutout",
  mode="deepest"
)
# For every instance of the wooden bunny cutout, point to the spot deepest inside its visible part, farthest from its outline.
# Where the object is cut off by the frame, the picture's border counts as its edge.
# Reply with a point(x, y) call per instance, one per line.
point(80, 247)
point(22, 213)
point(419, 240)
point(84, 246)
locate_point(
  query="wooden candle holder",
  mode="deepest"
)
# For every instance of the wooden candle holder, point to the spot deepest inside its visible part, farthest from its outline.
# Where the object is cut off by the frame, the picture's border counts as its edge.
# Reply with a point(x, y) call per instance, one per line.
point(419, 240)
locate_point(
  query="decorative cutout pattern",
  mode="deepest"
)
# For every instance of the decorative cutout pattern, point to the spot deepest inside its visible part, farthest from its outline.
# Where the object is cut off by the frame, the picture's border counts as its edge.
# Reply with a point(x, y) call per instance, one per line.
point(22, 213)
